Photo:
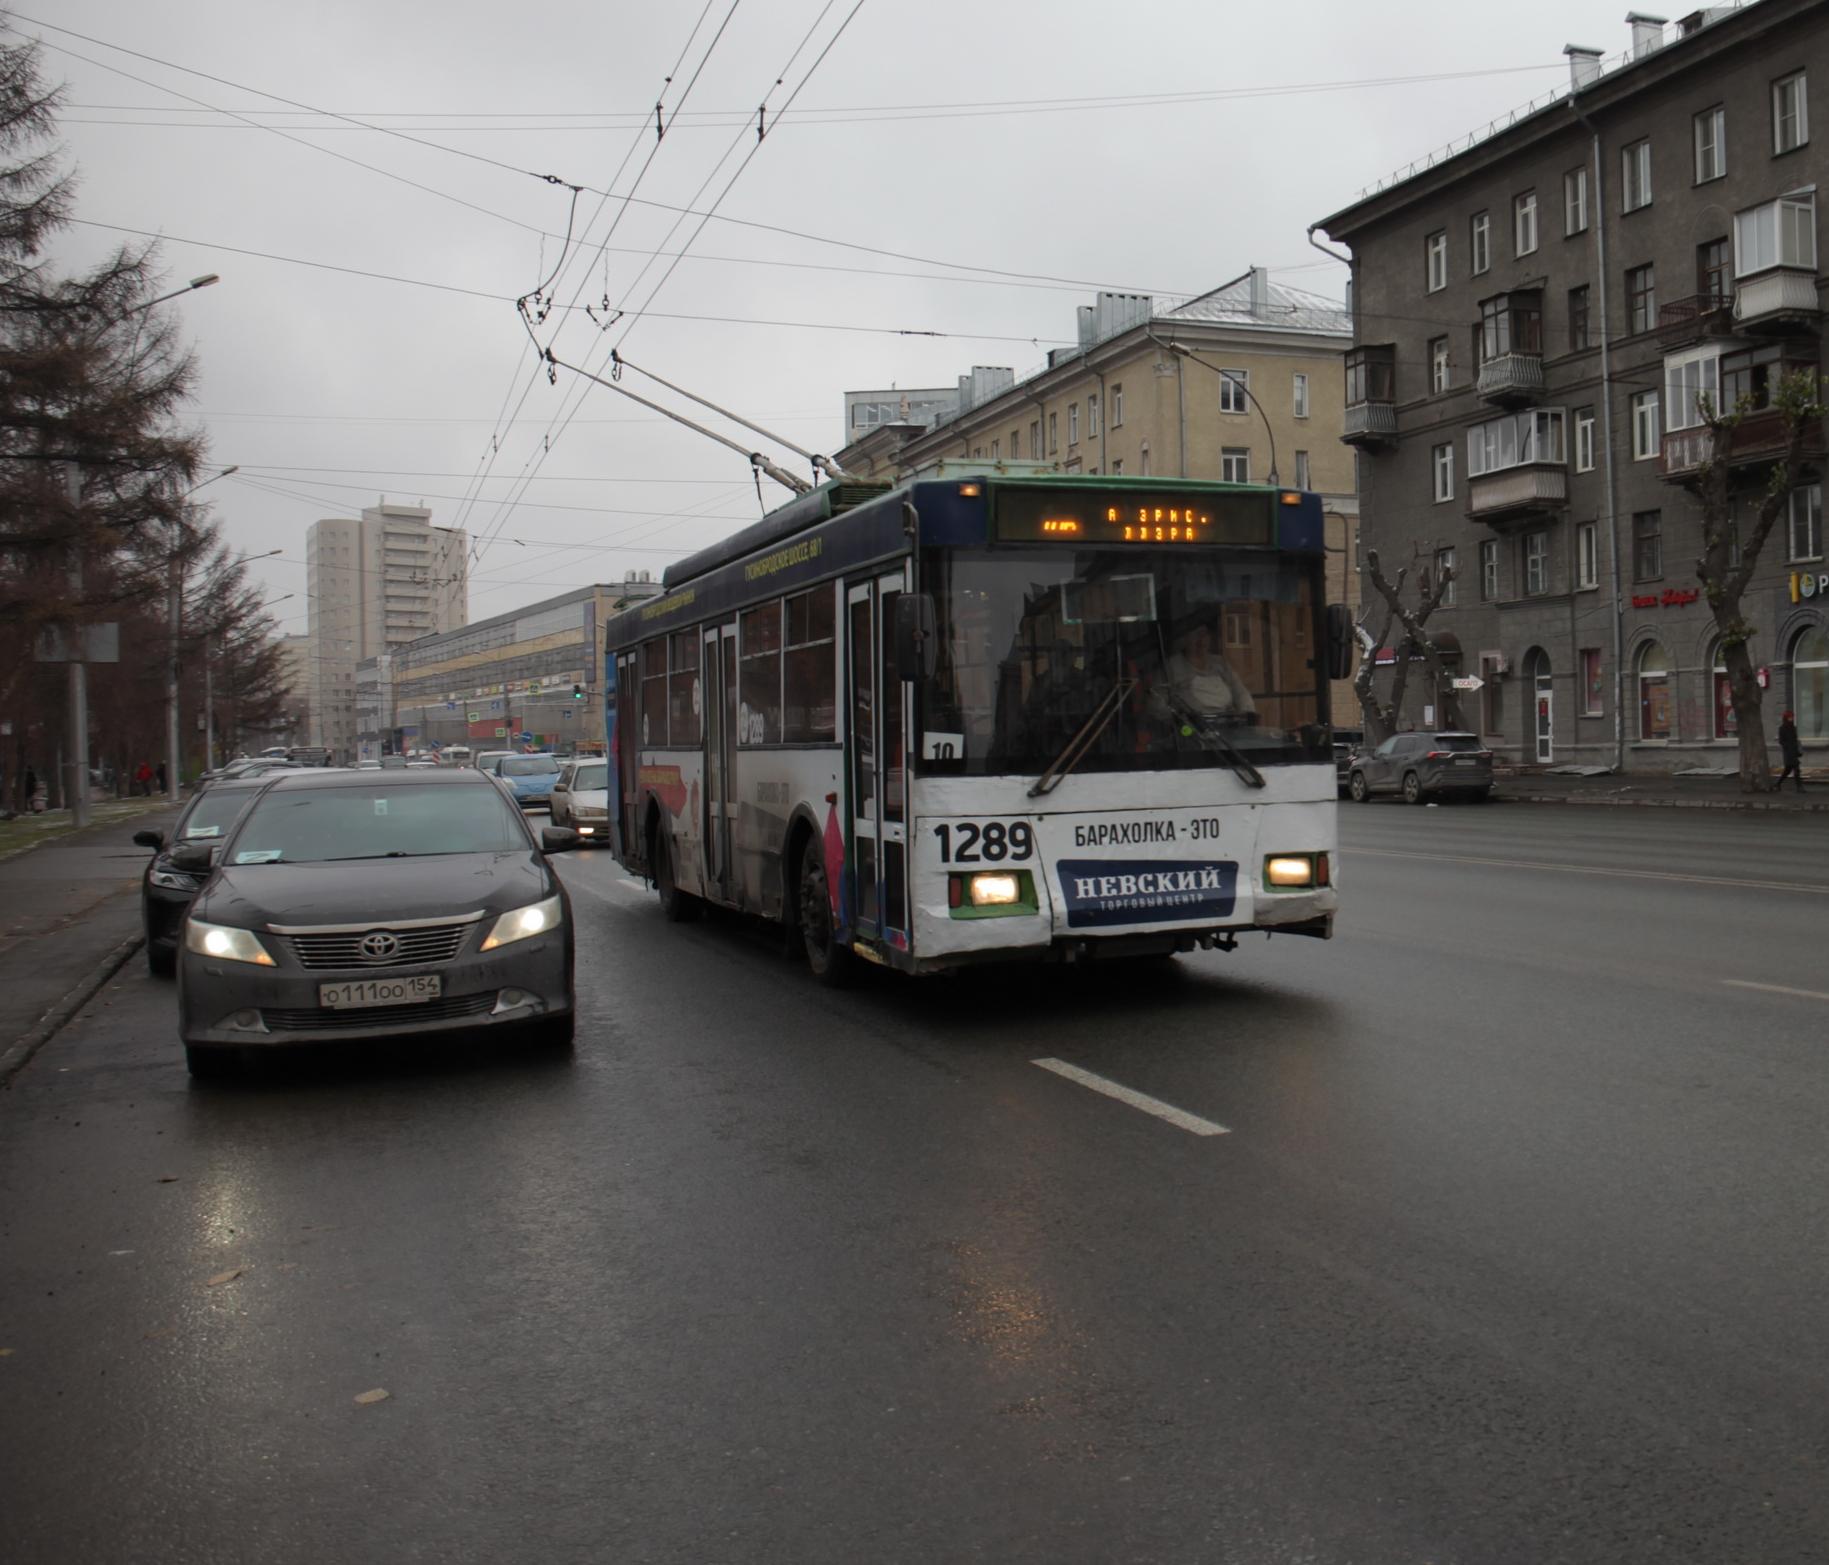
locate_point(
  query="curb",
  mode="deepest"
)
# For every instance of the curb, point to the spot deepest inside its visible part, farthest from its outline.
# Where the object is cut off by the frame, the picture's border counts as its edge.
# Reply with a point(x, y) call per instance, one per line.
point(19, 1054)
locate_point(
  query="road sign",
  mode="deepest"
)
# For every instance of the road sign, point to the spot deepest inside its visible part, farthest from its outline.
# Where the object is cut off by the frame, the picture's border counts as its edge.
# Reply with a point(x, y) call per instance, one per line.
point(1468, 682)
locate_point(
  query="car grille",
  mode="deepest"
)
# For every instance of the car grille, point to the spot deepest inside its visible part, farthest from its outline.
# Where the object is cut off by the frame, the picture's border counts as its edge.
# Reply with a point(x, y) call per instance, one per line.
point(314, 1019)
point(436, 943)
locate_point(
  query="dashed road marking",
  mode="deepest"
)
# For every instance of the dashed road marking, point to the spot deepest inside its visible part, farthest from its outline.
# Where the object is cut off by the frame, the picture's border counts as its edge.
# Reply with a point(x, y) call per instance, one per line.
point(1801, 994)
point(1180, 1118)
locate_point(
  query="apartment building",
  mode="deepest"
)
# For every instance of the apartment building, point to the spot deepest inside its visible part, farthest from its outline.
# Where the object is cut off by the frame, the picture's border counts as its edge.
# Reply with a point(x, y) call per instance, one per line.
point(376, 583)
point(1540, 317)
point(1241, 384)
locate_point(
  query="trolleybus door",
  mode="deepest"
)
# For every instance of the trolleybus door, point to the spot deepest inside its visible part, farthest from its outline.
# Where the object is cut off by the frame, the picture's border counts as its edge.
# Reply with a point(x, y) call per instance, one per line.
point(879, 788)
point(717, 700)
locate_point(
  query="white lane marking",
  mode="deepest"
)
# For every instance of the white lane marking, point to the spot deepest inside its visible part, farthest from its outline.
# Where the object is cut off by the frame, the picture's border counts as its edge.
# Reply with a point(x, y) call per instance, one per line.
point(1801, 994)
point(1180, 1118)
point(1595, 869)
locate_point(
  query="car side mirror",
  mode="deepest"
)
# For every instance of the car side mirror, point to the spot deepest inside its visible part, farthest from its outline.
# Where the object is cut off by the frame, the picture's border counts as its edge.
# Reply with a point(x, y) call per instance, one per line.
point(558, 839)
point(194, 858)
point(1340, 641)
point(917, 647)
point(149, 839)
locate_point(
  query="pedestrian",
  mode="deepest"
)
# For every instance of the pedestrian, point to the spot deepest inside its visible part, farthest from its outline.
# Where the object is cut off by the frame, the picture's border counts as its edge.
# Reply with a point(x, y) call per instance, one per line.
point(161, 777)
point(143, 779)
point(1791, 751)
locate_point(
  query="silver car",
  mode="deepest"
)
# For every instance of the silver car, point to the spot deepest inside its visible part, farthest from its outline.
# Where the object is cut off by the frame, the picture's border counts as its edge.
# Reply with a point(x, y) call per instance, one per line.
point(581, 799)
point(1423, 766)
point(359, 905)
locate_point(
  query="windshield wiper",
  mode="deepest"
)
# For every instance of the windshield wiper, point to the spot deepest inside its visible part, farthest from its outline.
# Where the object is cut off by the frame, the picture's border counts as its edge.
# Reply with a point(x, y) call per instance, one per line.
point(1084, 740)
point(1203, 724)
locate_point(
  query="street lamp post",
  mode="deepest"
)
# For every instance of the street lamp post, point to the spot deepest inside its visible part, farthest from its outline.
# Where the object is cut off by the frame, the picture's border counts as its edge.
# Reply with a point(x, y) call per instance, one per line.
point(1226, 375)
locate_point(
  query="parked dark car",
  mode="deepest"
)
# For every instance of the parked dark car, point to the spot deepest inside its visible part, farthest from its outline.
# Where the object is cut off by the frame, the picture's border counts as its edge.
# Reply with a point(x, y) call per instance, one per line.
point(1422, 766)
point(1346, 744)
point(351, 905)
point(166, 891)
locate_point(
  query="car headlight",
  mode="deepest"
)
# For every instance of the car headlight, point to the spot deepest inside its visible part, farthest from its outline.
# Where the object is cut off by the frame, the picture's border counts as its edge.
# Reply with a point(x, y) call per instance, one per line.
point(534, 919)
point(174, 880)
point(226, 943)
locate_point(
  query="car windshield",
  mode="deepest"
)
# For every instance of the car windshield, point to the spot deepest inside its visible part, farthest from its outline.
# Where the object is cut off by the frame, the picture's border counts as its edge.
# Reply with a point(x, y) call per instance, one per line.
point(529, 766)
point(1215, 654)
point(376, 821)
point(214, 812)
point(594, 775)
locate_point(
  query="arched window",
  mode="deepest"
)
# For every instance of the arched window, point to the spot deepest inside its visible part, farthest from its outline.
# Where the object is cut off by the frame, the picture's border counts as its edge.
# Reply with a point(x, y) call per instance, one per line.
point(1653, 692)
point(1810, 683)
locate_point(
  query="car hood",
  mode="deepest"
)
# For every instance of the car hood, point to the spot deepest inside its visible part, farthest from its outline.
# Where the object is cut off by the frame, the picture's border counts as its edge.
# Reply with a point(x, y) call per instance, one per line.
point(374, 891)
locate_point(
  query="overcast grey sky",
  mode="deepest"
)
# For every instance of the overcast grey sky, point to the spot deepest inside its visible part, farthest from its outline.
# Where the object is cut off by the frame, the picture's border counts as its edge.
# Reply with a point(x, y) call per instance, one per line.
point(331, 389)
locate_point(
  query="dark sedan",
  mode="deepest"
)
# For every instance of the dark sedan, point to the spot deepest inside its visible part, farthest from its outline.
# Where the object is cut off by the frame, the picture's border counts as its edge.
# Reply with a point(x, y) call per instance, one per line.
point(357, 905)
point(166, 890)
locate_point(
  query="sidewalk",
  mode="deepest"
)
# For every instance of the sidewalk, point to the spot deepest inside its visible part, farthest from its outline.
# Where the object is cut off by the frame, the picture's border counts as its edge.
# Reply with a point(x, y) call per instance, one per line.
point(71, 920)
point(1684, 793)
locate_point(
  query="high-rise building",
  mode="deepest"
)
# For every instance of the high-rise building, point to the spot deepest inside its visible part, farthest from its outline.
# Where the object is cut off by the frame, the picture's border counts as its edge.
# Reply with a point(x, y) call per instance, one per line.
point(376, 582)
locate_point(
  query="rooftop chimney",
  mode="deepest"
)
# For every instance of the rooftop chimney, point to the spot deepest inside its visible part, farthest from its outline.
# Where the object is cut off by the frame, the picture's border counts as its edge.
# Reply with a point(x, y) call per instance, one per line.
point(1647, 32)
point(1260, 291)
point(1584, 66)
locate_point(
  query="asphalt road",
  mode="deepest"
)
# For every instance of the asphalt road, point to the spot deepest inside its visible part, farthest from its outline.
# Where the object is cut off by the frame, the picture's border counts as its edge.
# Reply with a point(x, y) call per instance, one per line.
point(1512, 1249)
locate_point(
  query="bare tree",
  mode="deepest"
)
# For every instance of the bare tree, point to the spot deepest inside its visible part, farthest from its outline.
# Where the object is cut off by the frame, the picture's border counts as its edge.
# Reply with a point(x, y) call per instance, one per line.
point(1729, 556)
point(1382, 717)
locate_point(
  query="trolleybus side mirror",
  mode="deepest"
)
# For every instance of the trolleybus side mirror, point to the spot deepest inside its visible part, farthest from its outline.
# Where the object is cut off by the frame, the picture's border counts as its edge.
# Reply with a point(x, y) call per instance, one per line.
point(1340, 641)
point(917, 648)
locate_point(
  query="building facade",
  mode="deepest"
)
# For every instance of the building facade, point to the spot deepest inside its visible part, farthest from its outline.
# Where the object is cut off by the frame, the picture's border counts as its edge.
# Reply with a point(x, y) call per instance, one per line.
point(376, 583)
point(1542, 322)
point(1240, 384)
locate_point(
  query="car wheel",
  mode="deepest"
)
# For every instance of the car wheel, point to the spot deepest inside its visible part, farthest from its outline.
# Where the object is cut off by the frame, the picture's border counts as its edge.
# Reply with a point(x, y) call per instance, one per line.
point(678, 907)
point(830, 962)
point(210, 1064)
point(1355, 785)
point(1413, 788)
point(161, 961)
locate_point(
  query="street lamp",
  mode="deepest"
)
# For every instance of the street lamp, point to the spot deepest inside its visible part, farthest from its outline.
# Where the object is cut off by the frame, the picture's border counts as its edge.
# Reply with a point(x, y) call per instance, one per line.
point(1188, 353)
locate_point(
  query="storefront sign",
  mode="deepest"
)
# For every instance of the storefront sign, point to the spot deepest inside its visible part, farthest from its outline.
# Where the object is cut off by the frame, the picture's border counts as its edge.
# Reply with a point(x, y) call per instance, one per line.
point(1670, 598)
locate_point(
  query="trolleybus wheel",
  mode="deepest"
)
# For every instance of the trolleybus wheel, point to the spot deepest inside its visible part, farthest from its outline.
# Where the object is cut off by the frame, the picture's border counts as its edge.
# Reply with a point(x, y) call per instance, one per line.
point(831, 962)
point(677, 907)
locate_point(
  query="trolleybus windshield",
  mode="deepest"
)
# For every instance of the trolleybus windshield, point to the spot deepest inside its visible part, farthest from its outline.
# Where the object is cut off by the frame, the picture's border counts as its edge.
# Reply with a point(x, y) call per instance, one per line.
point(1219, 650)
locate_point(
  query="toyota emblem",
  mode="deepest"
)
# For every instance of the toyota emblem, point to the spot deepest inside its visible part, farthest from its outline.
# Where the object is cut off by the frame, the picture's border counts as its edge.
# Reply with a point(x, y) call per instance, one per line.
point(379, 946)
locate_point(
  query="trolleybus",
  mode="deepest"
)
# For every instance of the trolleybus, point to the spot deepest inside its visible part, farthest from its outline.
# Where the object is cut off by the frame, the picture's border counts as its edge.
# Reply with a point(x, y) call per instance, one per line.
point(983, 716)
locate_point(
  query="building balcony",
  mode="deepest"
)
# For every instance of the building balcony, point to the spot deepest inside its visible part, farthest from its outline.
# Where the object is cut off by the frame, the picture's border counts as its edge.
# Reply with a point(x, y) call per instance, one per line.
point(1509, 379)
point(1781, 299)
point(1756, 443)
point(1518, 496)
point(1370, 424)
point(1686, 322)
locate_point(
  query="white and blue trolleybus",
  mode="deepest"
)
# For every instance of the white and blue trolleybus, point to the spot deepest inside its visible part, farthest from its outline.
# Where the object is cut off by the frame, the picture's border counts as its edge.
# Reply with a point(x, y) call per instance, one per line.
point(985, 717)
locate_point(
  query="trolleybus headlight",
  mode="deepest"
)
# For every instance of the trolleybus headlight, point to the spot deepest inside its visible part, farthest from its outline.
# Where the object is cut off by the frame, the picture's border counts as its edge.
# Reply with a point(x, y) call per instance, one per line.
point(1288, 870)
point(993, 890)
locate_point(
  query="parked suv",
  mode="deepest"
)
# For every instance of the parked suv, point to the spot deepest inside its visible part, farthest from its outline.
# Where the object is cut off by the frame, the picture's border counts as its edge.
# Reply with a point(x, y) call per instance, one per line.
point(1418, 766)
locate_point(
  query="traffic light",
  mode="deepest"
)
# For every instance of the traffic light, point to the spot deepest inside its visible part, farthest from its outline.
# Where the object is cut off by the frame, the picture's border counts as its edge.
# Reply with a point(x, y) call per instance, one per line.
point(577, 692)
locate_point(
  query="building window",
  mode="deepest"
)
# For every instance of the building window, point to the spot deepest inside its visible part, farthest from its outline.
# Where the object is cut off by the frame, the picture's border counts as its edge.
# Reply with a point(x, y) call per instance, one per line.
point(1444, 569)
point(1117, 407)
point(1524, 223)
point(1435, 260)
point(1635, 176)
point(1647, 545)
point(1301, 396)
point(1790, 114)
point(1302, 475)
point(1443, 467)
point(1479, 241)
point(1584, 440)
point(1575, 202)
point(1536, 564)
point(1641, 299)
point(1578, 319)
point(1516, 440)
point(1232, 386)
point(1593, 693)
point(1692, 388)
point(1653, 693)
point(1235, 465)
point(1438, 365)
point(1644, 426)
point(1489, 570)
point(1092, 416)
point(1054, 433)
point(1807, 522)
point(1711, 144)
point(1810, 683)
point(1711, 272)
point(1587, 555)
point(1780, 233)
point(1073, 424)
